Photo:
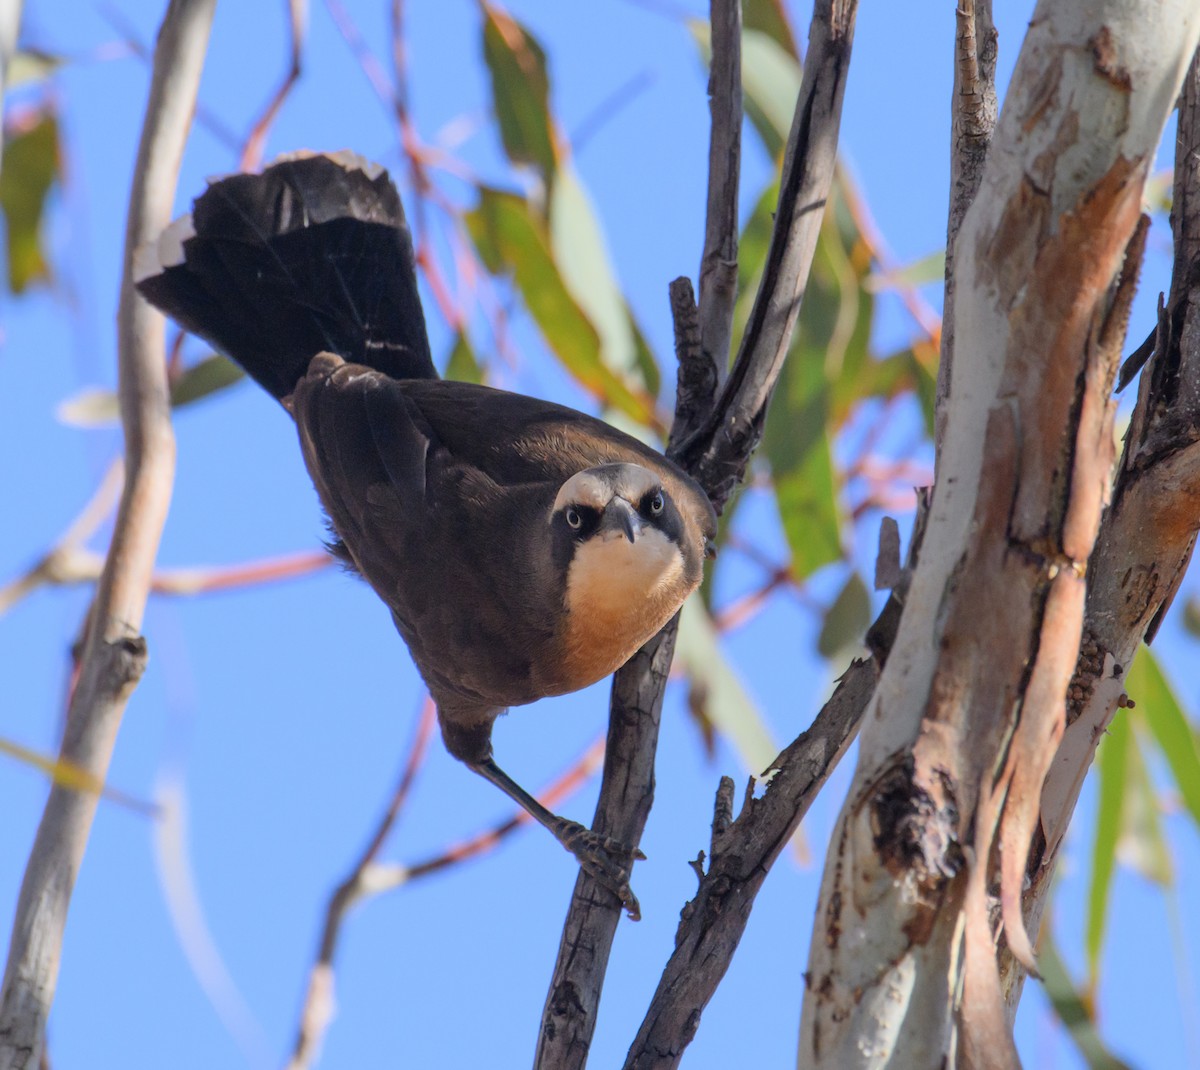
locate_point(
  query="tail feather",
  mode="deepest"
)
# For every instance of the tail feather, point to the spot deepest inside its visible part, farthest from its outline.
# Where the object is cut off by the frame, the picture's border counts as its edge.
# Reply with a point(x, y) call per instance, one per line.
point(311, 255)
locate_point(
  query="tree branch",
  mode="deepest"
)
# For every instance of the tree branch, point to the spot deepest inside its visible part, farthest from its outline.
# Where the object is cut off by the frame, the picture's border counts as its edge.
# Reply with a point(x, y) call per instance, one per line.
point(717, 455)
point(973, 118)
point(718, 265)
point(743, 852)
point(970, 707)
point(115, 654)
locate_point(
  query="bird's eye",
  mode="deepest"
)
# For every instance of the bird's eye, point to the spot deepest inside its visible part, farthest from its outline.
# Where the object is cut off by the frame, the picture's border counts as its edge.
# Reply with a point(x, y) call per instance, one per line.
point(574, 520)
point(656, 503)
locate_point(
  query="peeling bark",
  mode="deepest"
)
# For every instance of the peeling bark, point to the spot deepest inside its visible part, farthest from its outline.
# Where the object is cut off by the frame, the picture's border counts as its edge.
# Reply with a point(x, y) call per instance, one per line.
point(926, 877)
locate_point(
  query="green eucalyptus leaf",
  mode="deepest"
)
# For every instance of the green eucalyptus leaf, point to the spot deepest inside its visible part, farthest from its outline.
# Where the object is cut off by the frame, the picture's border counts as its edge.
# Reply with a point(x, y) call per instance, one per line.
point(1161, 712)
point(716, 690)
point(1112, 763)
point(28, 169)
point(1143, 844)
point(847, 619)
point(207, 376)
point(583, 260)
point(511, 238)
point(520, 91)
point(1072, 1009)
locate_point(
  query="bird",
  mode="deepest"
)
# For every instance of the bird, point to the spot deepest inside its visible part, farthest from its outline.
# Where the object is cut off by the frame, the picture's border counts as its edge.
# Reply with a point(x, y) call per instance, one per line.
point(524, 549)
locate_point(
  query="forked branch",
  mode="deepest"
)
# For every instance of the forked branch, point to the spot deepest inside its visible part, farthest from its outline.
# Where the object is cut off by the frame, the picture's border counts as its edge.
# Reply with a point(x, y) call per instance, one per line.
point(716, 453)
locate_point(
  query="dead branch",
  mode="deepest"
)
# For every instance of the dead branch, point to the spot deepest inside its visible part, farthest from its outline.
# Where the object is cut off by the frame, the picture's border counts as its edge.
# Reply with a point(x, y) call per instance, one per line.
point(716, 454)
point(742, 854)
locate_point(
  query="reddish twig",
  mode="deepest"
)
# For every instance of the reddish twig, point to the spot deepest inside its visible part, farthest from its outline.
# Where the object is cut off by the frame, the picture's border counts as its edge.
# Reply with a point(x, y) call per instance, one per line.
point(369, 878)
point(252, 148)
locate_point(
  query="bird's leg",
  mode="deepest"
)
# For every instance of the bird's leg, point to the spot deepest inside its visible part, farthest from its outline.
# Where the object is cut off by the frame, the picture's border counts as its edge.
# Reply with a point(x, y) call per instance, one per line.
point(603, 858)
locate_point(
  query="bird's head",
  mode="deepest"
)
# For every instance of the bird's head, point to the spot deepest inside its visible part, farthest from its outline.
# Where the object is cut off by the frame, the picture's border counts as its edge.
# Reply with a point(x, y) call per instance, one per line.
point(634, 543)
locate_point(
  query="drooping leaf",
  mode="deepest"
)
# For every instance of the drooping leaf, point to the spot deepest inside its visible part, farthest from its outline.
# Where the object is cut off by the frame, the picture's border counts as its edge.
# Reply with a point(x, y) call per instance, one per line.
point(207, 376)
point(847, 619)
point(1143, 845)
point(798, 437)
point(770, 18)
point(1164, 717)
point(31, 65)
point(98, 407)
point(908, 370)
point(91, 407)
point(724, 526)
point(512, 239)
point(520, 91)
point(462, 364)
point(1112, 762)
point(1071, 1008)
point(931, 268)
point(718, 692)
point(582, 256)
point(27, 171)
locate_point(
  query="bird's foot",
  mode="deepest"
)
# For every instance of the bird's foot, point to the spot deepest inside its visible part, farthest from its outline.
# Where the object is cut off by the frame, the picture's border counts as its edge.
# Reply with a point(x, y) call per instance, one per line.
point(606, 860)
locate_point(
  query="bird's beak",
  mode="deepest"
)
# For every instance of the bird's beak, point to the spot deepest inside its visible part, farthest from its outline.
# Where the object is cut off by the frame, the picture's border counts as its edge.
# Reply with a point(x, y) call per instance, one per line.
point(620, 518)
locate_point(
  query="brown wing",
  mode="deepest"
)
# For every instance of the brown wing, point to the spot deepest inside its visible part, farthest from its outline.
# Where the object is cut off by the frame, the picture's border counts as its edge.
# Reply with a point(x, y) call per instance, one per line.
point(452, 552)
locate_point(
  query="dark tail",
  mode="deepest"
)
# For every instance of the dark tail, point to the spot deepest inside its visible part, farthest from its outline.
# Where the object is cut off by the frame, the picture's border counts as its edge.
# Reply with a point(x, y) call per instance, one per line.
point(311, 255)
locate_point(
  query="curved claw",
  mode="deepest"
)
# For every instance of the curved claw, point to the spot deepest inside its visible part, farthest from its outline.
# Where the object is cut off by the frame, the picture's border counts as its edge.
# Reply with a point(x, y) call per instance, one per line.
point(604, 859)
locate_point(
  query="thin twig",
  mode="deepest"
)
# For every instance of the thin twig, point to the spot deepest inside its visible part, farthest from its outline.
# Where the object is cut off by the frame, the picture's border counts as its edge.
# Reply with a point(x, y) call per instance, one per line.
point(718, 265)
point(69, 563)
point(49, 568)
point(717, 454)
point(115, 653)
point(252, 150)
point(317, 1009)
point(370, 878)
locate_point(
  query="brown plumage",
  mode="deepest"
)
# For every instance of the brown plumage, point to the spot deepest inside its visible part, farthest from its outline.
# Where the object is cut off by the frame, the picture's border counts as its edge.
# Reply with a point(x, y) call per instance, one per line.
point(524, 549)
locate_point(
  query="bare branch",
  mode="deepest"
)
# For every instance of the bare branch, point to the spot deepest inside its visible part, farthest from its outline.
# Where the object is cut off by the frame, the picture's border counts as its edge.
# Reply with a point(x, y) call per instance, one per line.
point(742, 855)
point(717, 455)
point(115, 654)
point(698, 373)
point(973, 118)
point(718, 265)
point(317, 1010)
point(718, 452)
point(626, 793)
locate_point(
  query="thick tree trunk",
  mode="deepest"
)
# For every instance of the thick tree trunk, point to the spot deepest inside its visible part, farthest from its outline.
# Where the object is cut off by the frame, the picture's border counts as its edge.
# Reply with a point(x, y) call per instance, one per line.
point(925, 872)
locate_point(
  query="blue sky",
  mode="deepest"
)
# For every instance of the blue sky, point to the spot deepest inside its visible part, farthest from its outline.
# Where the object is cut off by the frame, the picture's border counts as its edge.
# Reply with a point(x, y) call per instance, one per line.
point(284, 766)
